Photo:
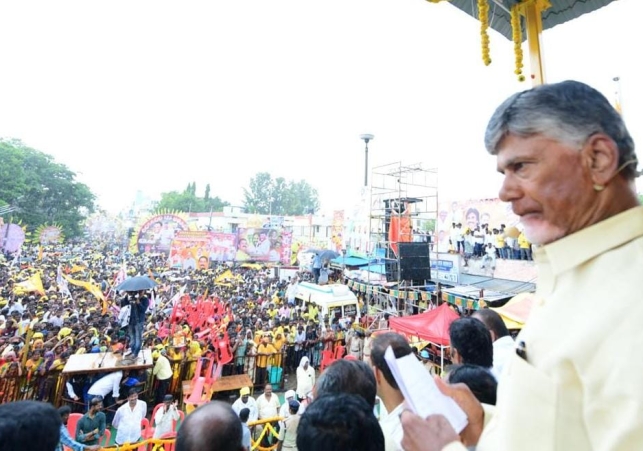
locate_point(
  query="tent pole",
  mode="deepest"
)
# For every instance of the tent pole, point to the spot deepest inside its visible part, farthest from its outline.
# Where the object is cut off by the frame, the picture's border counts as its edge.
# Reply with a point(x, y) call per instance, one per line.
point(534, 24)
point(441, 360)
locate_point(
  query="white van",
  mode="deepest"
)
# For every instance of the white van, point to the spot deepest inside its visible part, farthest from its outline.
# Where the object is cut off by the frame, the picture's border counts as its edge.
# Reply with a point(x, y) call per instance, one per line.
point(331, 299)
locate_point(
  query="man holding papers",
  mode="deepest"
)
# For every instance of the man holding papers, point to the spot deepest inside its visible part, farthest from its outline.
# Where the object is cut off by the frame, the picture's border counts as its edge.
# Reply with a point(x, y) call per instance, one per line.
point(574, 380)
point(387, 388)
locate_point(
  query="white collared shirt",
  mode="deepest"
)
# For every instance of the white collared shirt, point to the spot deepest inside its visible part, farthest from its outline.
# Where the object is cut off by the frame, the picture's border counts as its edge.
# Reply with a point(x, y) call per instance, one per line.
point(502, 349)
point(127, 422)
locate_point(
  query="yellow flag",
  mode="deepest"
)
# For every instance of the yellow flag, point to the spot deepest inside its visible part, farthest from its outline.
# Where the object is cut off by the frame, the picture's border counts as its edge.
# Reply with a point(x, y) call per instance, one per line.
point(78, 268)
point(32, 284)
point(93, 289)
point(225, 275)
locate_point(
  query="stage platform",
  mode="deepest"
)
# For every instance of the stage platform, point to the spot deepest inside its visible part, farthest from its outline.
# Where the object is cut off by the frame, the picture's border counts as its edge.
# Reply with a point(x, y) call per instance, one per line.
point(106, 362)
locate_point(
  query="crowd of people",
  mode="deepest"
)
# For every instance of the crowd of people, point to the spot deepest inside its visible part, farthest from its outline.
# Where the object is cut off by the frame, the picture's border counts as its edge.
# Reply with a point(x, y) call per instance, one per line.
point(567, 382)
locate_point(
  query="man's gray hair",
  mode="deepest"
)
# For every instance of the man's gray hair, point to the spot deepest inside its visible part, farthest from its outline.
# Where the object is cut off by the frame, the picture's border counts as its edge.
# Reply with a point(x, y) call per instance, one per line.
point(569, 112)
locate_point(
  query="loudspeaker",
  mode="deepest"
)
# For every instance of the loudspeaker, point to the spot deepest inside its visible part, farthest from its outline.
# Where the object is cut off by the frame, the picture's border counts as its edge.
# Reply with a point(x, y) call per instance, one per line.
point(415, 263)
point(392, 271)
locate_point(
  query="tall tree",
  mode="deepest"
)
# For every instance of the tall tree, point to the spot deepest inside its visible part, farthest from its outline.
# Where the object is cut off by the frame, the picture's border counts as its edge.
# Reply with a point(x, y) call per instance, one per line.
point(188, 201)
point(279, 196)
point(42, 190)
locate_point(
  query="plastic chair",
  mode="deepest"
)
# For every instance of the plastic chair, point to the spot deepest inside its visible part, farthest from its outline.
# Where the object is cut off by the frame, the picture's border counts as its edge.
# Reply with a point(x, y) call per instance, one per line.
point(156, 407)
point(72, 422)
point(197, 397)
point(326, 360)
point(105, 439)
point(169, 446)
point(146, 430)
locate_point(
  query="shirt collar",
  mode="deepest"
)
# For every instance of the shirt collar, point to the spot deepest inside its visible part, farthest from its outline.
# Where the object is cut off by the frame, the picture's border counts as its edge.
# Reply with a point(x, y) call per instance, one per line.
point(584, 245)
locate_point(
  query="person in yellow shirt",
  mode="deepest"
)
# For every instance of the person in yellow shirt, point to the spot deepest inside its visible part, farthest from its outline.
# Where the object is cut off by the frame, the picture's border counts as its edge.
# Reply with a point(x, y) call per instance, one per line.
point(500, 243)
point(278, 344)
point(272, 311)
point(313, 313)
point(525, 247)
point(569, 168)
point(264, 350)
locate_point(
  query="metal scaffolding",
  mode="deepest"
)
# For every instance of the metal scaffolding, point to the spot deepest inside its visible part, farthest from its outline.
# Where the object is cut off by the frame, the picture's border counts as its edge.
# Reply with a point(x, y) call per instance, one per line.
point(400, 194)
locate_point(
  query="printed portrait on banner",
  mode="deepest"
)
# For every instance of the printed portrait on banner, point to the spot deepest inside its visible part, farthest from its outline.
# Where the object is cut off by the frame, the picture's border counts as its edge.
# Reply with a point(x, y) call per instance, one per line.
point(158, 232)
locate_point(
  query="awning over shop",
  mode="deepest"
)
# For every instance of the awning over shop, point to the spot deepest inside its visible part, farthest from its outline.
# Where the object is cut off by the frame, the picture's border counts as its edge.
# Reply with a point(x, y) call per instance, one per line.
point(515, 313)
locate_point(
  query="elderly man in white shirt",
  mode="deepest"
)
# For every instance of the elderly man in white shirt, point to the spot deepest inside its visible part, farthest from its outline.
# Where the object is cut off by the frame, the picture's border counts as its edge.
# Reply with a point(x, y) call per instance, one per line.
point(268, 405)
point(127, 420)
point(245, 401)
point(284, 410)
point(165, 417)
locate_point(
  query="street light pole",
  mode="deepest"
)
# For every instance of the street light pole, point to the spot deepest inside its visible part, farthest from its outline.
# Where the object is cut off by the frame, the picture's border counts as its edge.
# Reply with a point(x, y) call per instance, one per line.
point(366, 137)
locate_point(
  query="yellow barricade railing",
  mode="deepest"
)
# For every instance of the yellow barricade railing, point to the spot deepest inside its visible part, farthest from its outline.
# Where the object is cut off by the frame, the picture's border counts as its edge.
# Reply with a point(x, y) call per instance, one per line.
point(156, 442)
point(267, 428)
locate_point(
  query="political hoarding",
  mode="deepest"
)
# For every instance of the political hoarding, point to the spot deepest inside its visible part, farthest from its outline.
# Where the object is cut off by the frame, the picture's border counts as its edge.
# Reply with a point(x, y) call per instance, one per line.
point(190, 250)
point(157, 233)
point(471, 214)
point(196, 249)
point(262, 244)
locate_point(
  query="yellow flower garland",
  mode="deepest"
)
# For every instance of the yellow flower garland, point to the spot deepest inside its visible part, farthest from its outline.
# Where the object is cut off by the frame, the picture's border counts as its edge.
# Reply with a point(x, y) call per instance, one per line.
point(483, 13)
point(517, 39)
point(516, 10)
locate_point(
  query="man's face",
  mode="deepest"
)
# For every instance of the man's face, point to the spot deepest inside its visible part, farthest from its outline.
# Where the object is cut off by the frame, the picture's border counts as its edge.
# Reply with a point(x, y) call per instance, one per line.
point(548, 185)
point(268, 390)
point(244, 399)
point(472, 221)
point(132, 399)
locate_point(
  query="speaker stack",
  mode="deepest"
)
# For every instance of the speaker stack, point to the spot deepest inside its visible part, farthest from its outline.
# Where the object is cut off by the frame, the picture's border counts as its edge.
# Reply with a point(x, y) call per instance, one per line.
point(415, 262)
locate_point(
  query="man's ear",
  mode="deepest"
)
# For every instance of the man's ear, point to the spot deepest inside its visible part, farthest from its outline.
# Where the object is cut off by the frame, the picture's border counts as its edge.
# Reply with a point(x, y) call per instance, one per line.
point(601, 154)
point(378, 375)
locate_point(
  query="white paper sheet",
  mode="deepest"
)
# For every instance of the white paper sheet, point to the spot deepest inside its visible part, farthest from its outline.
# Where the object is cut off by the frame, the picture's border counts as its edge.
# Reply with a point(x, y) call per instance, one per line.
point(420, 391)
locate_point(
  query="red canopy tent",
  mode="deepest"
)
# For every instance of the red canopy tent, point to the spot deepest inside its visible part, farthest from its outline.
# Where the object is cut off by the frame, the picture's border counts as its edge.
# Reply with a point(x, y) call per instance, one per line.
point(431, 326)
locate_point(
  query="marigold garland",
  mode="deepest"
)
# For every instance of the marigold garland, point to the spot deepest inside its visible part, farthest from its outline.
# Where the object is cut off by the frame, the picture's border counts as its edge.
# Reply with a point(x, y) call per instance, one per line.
point(483, 13)
point(517, 39)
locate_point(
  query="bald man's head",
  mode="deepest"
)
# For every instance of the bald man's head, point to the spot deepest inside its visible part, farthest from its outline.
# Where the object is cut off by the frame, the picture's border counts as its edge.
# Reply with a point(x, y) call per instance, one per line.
point(212, 427)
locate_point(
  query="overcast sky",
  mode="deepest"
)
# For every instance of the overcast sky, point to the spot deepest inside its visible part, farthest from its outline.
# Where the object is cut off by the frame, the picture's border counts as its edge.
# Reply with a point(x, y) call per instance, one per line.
point(152, 95)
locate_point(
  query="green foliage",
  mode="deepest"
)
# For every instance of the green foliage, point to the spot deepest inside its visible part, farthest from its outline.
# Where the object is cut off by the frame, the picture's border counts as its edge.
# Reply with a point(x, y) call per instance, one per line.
point(279, 196)
point(187, 201)
point(428, 225)
point(44, 192)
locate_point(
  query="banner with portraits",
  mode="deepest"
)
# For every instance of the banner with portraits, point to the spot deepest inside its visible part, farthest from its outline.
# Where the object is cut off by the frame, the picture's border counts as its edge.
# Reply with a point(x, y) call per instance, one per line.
point(197, 249)
point(190, 250)
point(157, 233)
point(49, 234)
point(264, 245)
point(471, 214)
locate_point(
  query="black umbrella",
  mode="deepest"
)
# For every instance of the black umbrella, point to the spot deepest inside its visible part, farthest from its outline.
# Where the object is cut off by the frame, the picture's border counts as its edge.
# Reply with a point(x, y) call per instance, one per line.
point(328, 255)
point(136, 284)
